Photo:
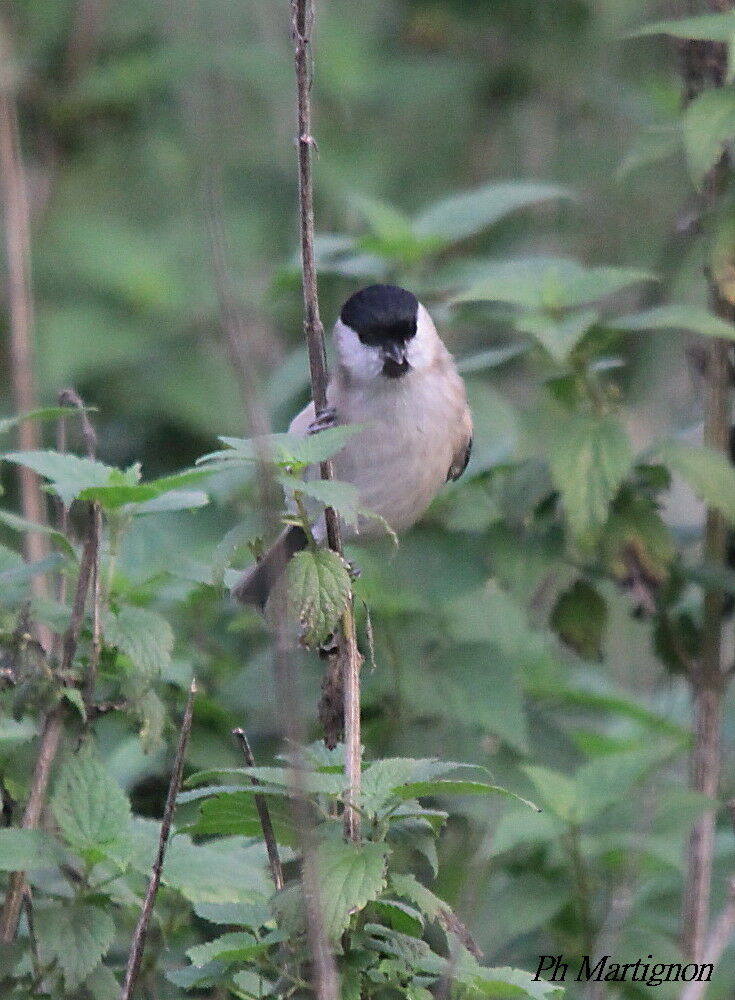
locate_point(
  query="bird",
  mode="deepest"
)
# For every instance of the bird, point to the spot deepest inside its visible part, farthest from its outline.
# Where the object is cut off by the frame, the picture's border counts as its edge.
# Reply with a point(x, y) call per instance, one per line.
point(396, 379)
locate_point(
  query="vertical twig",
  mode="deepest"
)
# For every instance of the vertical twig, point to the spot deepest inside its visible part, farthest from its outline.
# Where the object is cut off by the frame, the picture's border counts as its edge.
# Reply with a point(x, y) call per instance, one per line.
point(17, 247)
point(705, 63)
point(54, 720)
point(141, 928)
point(324, 973)
point(302, 24)
point(264, 816)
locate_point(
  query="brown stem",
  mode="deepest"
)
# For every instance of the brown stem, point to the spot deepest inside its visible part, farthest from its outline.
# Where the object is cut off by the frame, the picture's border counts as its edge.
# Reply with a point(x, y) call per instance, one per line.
point(302, 23)
point(141, 928)
point(264, 816)
point(705, 64)
point(50, 736)
point(17, 246)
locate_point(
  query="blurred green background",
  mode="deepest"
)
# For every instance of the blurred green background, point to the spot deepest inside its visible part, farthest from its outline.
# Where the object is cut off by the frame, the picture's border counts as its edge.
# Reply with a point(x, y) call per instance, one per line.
point(141, 124)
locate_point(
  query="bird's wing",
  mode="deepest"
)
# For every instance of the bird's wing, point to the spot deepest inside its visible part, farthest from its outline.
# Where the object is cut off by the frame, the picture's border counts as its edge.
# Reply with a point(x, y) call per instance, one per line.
point(462, 452)
point(302, 421)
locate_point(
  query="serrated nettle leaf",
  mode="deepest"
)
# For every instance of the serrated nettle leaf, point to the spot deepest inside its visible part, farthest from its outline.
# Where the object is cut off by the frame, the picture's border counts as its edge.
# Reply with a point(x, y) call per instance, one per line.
point(76, 938)
point(558, 337)
point(382, 780)
point(101, 984)
point(548, 283)
point(350, 876)
point(675, 317)
point(46, 413)
point(69, 475)
point(469, 212)
point(408, 887)
point(342, 497)
point(318, 585)
point(24, 850)
point(143, 635)
point(708, 473)
point(284, 449)
point(91, 810)
point(589, 458)
point(707, 27)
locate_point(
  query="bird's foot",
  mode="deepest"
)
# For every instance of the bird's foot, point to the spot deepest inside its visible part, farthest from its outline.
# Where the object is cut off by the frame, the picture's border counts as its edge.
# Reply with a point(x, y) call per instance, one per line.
point(324, 419)
point(353, 569)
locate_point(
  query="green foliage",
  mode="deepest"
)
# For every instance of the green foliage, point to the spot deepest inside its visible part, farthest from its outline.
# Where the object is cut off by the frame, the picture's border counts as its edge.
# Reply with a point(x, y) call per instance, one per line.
point(540, 618)
point(92, 813)
point(318, 591)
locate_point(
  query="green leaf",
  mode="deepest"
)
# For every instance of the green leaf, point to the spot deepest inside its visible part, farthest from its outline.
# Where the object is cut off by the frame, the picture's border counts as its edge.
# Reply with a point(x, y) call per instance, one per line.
point(709, 123)
point(46, 413)
point(651, 146)
point(319, 587)
point(172, 501)
point(124, 488)
point(24, 850)
point(13, 733)
point(92, 811)
point(558, 337)
point(590, 457)
point(492, 358)
point(226, 870)
point(417, 788)
point(505, 983)
point(409, 887)
point(69, 474)
point(343, 497)
point(20, 524)
point(350, 876)
point(676, 317)
point(548, 283)
point(143, 635)
point(75, 937)
point(469, 212)
point(284, 449)
point(399, 916)
point(101, 984)
point(708, 473)
point(708, 27)
point(237, 946)
point(579, 618)
point(27, 570)
point(252, 915)
point(557, 791)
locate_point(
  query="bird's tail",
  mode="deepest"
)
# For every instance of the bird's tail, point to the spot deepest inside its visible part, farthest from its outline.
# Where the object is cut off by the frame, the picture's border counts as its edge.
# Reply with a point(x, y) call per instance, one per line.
point(255, 584)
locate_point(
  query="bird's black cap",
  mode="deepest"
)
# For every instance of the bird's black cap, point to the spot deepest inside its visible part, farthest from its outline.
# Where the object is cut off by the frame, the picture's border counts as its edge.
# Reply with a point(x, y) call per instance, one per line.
point(381, 314)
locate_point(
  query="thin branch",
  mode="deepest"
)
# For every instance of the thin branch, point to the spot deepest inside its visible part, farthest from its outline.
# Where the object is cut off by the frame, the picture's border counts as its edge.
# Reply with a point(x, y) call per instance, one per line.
point(141, 928)
point(302, 22)
point(50, 736)
point(17, 245)
point(705, 64)
point(264, 816)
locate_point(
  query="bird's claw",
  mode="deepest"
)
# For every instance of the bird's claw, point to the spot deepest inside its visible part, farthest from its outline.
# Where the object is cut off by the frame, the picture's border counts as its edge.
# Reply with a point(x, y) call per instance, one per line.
point(324, 419)
point(353, 569)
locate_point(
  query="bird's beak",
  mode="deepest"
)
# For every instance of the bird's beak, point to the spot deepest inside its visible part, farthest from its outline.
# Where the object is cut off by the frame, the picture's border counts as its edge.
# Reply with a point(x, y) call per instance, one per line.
point(395, 352)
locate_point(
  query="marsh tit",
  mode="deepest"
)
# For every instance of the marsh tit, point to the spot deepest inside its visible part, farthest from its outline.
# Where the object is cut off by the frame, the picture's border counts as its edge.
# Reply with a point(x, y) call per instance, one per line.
point(395, 378)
